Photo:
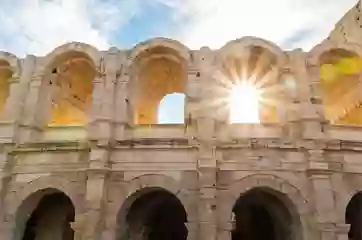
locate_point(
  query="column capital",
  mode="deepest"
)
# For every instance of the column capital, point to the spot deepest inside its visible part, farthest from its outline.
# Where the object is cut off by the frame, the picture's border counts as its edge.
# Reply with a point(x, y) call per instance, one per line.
point(97, 173)
point(343, 227)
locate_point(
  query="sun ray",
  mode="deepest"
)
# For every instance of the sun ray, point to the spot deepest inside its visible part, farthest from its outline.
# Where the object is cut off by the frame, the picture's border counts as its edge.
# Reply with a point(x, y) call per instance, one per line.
point(245, 86)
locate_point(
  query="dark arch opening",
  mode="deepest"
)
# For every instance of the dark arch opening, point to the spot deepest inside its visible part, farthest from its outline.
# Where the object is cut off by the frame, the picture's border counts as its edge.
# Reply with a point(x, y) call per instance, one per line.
point(153, 215)
point(260, 214)
point(47, 214)
point(354, 217)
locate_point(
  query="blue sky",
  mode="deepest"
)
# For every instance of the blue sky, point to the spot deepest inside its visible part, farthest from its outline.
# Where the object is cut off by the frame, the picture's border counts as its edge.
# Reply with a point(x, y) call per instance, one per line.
point(38, 26)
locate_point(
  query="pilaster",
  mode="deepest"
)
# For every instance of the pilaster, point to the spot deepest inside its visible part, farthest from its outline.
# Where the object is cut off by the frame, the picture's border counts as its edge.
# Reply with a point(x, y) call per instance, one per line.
point(101, 114)
point(207, 168)
point(206, 162)
point(311, 106)
point(298, 94)
point(123, 110)
point(322, 191)
point(77, 226)
point(96, 193)
point(193, 96)
point(101, 135)
point(29, 94)
point(13, 102)
point(342, 231)
point(6, 166)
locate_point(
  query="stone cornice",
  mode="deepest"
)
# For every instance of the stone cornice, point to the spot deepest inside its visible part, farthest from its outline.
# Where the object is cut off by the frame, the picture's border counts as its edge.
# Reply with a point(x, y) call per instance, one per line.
point(50, 147)
point(154, 143)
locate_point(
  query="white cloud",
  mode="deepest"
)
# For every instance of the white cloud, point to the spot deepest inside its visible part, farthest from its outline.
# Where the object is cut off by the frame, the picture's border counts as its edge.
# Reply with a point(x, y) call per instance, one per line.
point(288, 23)
point(38, 26)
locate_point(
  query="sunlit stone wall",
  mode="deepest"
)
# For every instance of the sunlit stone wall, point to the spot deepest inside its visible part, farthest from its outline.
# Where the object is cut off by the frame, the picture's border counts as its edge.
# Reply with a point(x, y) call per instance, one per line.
point(87, 125)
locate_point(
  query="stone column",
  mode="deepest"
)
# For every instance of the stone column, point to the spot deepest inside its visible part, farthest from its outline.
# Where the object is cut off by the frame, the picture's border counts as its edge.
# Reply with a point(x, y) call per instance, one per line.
point(298, 96)
point(95, 200)
point(207, 163)
point(78, 226)
point(102, 116)
point(102, 109)
point(7, 230)
point(123, 109)
point(26, 109)
point(13, 102)
point(311, 106)
point(207, 192)
point(18, 89)
point(342, 231)
point(94, 111)
point(6, 167)
point(322, 191)
point(192, 101)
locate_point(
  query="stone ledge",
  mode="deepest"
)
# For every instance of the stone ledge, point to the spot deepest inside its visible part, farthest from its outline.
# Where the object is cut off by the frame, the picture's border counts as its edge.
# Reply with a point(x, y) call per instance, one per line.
point(50, 147)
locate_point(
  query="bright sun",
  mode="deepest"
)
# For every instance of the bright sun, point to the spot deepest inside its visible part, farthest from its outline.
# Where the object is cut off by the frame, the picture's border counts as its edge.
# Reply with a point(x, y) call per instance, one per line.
point(244, 100)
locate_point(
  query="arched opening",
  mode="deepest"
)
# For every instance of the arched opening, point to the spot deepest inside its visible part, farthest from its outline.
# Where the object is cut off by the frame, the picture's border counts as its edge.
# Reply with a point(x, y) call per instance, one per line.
point(354, 217)
point(261, 214)
point(169, 109)
point(6, 73)
point(339, 83)
point(157, 72)
point(152, 214)
point(46, 214)
point(69, 81)
point(248, 84)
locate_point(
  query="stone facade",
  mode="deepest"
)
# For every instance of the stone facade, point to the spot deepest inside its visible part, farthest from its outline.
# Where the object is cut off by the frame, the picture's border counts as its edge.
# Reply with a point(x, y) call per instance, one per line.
point(309, 163)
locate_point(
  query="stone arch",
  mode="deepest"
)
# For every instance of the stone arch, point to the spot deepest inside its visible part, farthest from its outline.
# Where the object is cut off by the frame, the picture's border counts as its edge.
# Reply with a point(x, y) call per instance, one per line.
point(248, 41)
point(93, 53)
point(273, 182)
point(12, 60)
point(157, 67)
point(75, 190)
point(339, 68)
point(258, 64)
point(353, 213)
point(182, 50)
point(345, 196)
point(152, 181)
point(289, 195)
point(66, 94)
point(144, 186)
point(34, 202)
point(326, 46)
point(9, 69)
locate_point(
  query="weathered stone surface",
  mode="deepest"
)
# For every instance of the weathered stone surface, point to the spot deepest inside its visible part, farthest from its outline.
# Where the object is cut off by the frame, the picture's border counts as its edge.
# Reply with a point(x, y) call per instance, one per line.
point(116, 153)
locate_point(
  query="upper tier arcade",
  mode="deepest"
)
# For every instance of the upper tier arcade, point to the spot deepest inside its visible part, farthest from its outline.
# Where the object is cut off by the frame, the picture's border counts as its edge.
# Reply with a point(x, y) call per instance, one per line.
point(77, 92)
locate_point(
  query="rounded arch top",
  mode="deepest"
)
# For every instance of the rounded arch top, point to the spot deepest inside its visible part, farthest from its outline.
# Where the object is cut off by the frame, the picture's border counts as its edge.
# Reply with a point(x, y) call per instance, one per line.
point(21, 192)
point(248, 41)
point(152, 181)
point(326, 46)
point(29, 203)
point(276, 184)
point(91, 52)
point(10, 59)
point(40, 200)
point(182, 51)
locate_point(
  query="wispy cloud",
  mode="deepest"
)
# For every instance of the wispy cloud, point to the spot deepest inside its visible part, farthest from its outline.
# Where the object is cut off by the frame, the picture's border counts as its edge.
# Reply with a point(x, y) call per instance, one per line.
point(214, 22)
point(38, 26)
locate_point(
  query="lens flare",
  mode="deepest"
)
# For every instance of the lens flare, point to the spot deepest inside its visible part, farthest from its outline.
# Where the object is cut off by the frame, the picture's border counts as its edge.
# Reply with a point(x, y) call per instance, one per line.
point(244, 101)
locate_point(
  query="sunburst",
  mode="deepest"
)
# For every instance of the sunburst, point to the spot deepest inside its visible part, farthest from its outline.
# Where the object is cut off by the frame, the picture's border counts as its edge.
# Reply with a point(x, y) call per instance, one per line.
point(242, 92)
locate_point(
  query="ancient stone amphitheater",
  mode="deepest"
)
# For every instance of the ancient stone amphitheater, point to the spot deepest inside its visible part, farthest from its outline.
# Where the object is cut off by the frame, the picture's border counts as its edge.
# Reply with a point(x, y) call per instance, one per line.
point(83, 155)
